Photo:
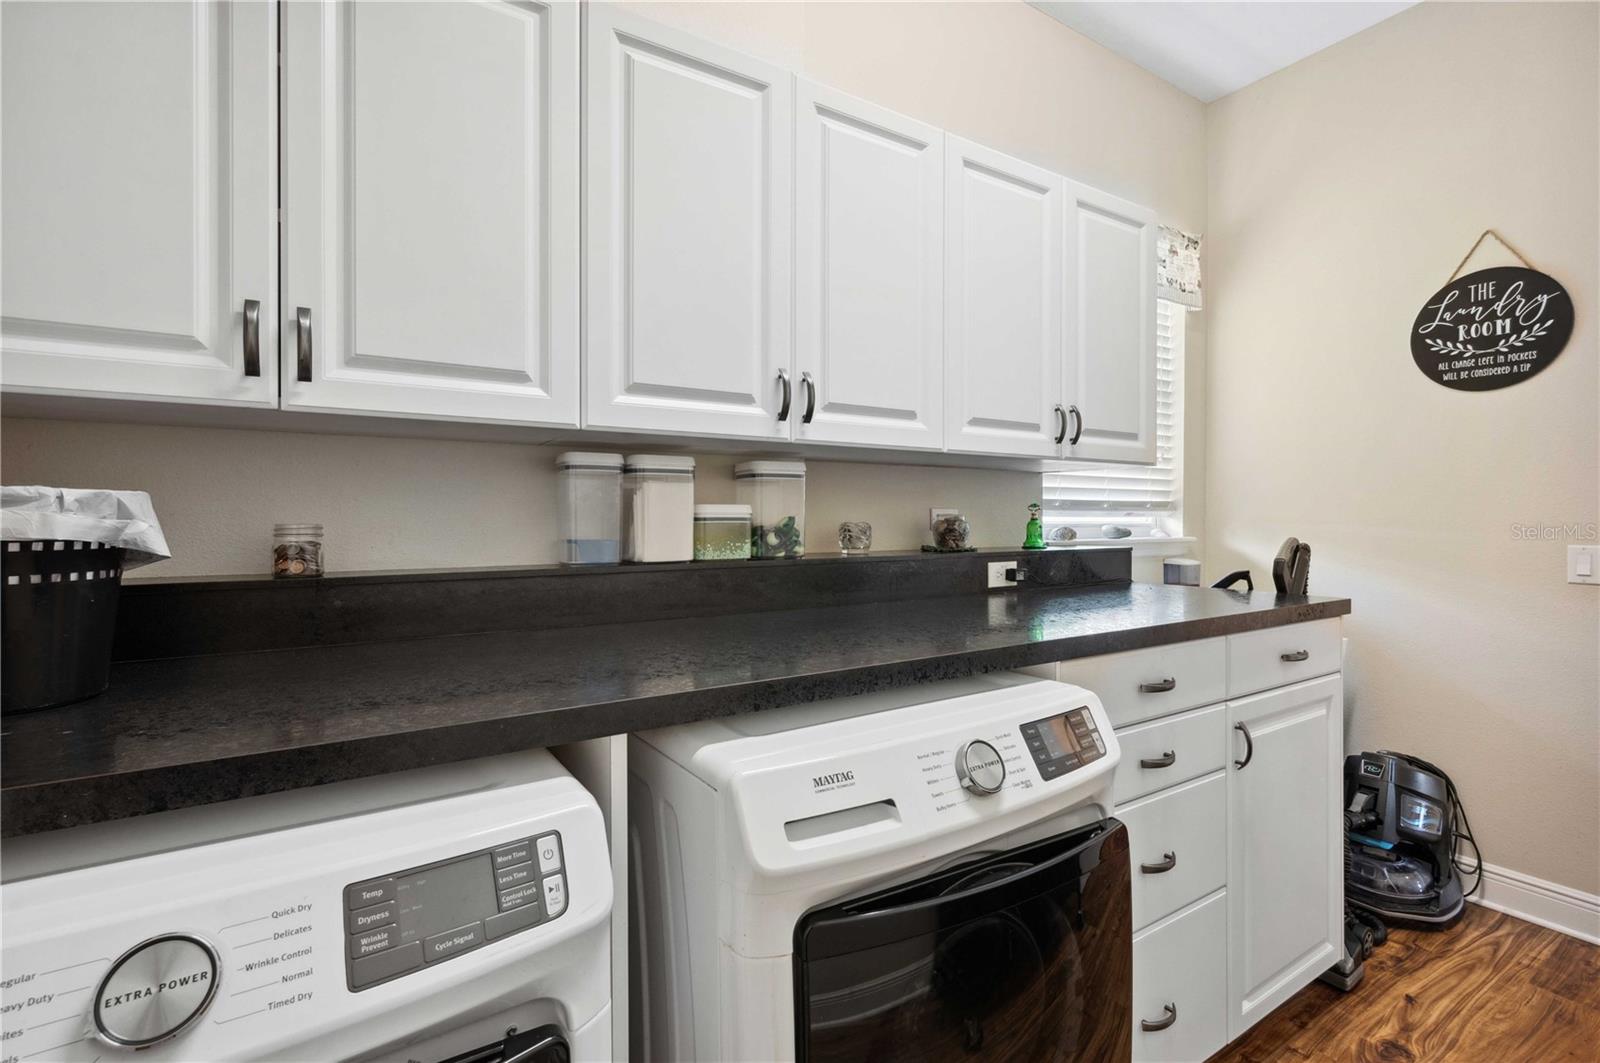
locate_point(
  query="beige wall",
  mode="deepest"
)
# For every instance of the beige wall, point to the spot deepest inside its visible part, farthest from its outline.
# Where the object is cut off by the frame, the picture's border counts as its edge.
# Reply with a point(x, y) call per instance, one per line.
point(1342, 191)
point(415, 503)
point(1001, 73)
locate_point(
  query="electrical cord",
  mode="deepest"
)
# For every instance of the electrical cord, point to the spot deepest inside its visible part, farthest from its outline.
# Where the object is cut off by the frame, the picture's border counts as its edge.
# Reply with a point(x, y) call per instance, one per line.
point(1460, 826)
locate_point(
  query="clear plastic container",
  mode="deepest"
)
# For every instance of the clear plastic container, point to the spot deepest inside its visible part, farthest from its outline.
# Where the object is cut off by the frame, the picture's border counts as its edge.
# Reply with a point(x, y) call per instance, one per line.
point(722, 533)
point(297, 551)
point(775, 491)
point(658, 507)
point(590, 486)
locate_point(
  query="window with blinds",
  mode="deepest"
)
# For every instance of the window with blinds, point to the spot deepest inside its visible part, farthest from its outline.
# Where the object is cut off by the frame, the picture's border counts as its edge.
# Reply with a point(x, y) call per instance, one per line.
point(1091, 493)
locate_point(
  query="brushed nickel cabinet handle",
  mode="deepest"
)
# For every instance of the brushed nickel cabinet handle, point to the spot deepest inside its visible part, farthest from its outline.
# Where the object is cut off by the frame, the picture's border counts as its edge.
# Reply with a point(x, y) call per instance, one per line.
point(1169, 1016)
point(302, 344)
point(783, 409)
point(811, 398)
point(1249, 746)
point(1160, 686)
point(1061, 425)
point(252, 337)
point(1077, 417)
point(1295, 657)
point(1168, 862)
point(1165, 760)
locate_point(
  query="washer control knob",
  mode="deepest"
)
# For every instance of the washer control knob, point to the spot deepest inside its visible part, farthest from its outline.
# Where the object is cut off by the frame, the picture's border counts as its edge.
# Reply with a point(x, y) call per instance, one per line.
point(155, 990)
point(979, 767)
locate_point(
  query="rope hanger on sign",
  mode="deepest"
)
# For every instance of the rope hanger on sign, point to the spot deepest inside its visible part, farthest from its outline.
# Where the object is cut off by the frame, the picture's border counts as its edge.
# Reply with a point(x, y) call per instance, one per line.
point(1478, 243)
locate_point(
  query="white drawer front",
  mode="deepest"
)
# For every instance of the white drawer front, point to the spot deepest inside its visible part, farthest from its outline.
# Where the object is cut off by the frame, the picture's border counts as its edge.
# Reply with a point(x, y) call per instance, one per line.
point(1187, 823)
point(1181, 963)
point(1169, 751)
point(1143, 684)
point(1278, 656)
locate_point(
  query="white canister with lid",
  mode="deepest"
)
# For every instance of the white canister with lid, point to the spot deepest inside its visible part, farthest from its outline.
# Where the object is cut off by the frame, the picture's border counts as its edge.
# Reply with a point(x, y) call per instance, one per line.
point(590, 487)
point(721, 533)
point(775, 491)
point(658, 507)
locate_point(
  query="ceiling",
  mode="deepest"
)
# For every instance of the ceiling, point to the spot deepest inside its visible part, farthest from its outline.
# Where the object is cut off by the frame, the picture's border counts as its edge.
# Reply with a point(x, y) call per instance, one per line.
point(1211, 49)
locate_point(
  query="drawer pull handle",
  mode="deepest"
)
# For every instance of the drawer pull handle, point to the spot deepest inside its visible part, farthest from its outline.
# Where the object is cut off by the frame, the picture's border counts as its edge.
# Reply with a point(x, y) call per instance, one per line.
point(1169, 1017)
point(1249, 746)
point(1168, 862)
point(788, 393)
point(1160, 686)
point(1295, 657)
point(1165, 760)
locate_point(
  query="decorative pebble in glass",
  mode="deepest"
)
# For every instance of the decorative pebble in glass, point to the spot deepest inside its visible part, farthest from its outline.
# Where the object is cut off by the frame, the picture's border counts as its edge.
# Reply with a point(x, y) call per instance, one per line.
point(855, 537)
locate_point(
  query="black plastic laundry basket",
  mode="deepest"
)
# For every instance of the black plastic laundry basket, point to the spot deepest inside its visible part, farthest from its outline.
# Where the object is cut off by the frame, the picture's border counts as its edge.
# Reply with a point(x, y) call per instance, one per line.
point(60, 612)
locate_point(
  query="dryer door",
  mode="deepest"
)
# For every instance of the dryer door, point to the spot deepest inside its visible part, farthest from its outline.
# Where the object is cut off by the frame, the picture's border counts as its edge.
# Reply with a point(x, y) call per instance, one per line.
point(1022, 955)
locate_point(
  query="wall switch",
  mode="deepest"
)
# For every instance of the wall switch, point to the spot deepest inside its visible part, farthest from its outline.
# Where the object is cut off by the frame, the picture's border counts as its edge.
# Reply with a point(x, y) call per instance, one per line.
point(1583, 564)
point(998, 570)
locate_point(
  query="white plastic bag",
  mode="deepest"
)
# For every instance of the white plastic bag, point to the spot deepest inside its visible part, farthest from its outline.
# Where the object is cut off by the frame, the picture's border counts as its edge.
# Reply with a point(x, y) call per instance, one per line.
point(114, 518)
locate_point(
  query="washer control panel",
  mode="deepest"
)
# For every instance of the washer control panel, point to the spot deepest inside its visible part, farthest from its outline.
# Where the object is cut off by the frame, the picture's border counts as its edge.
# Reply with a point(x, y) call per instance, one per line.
point(1061, 743)
point(416, 918)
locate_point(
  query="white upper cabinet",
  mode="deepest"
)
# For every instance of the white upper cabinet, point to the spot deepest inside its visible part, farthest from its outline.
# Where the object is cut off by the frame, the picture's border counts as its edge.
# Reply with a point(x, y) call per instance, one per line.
point(139, 225)
point(1285, 866)
point(1109, 384)
point(431, 206)
point(869, 274)
point(1003, 303)
point(688, 224)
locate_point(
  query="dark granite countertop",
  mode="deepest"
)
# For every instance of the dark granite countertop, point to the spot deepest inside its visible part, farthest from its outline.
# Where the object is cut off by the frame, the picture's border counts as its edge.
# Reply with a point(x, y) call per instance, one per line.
point(185, 731)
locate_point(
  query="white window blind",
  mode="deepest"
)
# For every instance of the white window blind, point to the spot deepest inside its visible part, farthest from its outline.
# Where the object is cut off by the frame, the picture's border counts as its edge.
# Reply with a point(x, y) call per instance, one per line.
point(1099, 489)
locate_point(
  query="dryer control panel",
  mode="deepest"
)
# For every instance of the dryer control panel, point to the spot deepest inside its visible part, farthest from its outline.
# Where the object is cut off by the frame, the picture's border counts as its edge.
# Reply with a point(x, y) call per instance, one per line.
point(403, 922)
point(1060, 744)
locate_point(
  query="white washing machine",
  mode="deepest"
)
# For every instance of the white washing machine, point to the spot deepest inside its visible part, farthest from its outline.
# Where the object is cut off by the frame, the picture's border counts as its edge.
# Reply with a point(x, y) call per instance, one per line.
point(458, 913)
point(921, 874)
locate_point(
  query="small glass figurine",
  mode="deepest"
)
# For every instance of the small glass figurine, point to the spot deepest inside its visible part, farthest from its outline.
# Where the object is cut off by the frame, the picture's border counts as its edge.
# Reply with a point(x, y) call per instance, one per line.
point(1034, 540)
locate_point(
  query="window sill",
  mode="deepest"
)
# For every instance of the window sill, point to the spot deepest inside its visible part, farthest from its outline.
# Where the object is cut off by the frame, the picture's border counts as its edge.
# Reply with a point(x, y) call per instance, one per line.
point(1143, 546)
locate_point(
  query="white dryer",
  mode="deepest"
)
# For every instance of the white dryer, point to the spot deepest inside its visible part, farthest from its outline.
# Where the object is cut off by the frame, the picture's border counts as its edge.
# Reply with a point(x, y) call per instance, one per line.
point(458, 912)
point(921, 874)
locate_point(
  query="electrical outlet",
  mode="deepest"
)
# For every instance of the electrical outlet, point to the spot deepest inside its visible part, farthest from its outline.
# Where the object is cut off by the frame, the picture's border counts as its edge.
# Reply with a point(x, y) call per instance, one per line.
point(1583, 564)
point(997, 573)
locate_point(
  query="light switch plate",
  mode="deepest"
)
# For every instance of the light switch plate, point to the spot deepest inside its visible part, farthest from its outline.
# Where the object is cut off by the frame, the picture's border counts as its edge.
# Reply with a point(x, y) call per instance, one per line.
point(1583, 564)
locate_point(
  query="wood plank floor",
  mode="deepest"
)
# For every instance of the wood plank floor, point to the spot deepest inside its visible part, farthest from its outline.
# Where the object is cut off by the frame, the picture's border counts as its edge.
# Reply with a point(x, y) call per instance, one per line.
point(1493, 988)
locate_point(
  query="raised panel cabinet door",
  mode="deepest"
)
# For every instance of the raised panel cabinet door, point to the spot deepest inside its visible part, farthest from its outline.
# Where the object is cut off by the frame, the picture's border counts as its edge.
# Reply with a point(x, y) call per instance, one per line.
point(139, 229)
point(688, 234)
point(1285, 850)
point(1003, 303)
point(1109, 379)
point(431, 210)
point(869, 273)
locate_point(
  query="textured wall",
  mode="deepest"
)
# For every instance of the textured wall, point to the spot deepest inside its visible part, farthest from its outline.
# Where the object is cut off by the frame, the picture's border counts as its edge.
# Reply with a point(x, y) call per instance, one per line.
point(1343, 190)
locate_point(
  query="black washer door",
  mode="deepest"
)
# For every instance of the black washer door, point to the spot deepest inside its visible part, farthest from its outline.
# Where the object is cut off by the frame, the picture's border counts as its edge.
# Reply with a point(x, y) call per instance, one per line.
point(1026, 955)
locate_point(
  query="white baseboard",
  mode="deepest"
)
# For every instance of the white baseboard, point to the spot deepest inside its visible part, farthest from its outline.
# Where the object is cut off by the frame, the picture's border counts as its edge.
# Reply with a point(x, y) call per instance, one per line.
point(1562, 908)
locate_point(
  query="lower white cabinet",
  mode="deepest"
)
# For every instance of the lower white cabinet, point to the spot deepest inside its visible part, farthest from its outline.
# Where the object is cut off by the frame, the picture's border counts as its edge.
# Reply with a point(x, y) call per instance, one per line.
point(1233, 817)
point(1180, 1006)
point(1285, 866)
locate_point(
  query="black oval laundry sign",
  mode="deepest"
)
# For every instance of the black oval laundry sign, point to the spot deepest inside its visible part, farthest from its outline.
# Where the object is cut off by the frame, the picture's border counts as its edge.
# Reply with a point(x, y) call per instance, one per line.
point(1492, 328)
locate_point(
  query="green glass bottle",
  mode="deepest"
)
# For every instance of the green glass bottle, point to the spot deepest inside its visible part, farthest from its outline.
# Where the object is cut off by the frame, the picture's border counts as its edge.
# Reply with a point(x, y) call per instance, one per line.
point(1034, 540)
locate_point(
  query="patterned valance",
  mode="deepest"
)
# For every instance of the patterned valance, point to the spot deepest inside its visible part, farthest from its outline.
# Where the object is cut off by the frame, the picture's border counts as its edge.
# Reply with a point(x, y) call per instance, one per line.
point(1178, 266)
